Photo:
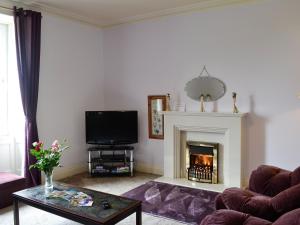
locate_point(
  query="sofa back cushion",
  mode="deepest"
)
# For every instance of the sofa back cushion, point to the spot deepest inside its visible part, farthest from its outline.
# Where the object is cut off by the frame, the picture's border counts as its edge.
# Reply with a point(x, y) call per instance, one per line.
point(270, 180)
point(295, 176)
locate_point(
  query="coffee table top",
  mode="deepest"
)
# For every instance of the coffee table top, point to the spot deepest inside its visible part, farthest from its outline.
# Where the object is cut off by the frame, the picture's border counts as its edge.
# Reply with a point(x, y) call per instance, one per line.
point(119, 205)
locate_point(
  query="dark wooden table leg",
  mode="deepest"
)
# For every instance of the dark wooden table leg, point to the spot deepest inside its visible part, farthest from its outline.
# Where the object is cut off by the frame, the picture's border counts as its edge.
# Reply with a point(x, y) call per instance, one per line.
point(139, 216)
point(16, 212)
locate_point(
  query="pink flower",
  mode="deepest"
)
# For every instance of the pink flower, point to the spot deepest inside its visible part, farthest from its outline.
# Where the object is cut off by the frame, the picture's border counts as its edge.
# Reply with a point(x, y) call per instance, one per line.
point(55, 146)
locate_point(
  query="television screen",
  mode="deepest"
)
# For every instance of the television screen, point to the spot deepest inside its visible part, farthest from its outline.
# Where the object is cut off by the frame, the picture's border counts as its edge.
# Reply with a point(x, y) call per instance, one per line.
point(111, 127)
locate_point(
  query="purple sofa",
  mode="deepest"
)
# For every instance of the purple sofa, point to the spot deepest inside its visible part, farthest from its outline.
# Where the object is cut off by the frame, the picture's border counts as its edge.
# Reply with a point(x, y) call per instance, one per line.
point(272, 192)
point(231, 217)
point(9, 183)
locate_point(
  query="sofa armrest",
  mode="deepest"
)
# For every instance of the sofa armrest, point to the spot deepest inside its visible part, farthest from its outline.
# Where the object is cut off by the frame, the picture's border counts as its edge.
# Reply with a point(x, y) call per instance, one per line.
point(219, 204)
point(287, 200)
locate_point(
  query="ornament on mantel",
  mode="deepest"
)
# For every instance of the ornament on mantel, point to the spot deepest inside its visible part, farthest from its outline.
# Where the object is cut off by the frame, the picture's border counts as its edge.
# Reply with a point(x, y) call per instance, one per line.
point(168, 100)
point(202, 109)
point(235, 109)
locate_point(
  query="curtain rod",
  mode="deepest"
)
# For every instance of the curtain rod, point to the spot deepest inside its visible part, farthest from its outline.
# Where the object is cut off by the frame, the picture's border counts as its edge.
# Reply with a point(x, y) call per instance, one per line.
point(7, 8)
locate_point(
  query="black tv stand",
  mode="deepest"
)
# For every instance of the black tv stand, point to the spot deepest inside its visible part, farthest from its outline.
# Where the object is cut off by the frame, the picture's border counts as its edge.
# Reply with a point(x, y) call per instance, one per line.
point(111, 160)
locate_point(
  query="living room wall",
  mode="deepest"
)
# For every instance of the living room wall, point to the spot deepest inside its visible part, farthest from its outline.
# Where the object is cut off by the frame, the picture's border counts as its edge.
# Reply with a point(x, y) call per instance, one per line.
point(71, 82)
point(254, 48)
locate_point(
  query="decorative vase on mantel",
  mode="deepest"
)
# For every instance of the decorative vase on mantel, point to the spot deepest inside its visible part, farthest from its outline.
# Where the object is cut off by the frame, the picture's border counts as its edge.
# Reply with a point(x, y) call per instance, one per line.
point(48, 180)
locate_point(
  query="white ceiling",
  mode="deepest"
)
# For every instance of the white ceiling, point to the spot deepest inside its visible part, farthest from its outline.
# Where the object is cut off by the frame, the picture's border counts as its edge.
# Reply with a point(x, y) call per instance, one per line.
point(111, 12)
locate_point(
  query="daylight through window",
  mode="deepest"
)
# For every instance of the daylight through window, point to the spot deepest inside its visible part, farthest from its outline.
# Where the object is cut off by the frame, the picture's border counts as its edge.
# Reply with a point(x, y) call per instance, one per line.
point(11, 112)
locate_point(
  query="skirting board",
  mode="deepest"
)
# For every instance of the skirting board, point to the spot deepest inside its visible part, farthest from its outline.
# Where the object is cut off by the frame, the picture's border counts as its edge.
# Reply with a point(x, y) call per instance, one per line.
point(144, 168)
point(64, 172)
point(67, 171)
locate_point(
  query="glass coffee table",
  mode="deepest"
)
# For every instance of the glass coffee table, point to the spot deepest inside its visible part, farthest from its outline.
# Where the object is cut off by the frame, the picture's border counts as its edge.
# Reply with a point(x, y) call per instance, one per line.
point(121, 207)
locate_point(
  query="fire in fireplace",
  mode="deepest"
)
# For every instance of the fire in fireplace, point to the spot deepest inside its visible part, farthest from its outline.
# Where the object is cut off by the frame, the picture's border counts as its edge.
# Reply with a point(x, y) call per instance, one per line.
point(202, 163)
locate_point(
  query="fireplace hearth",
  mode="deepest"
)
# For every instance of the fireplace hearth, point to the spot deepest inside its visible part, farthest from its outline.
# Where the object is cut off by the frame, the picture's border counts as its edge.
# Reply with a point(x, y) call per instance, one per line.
point(202, 162)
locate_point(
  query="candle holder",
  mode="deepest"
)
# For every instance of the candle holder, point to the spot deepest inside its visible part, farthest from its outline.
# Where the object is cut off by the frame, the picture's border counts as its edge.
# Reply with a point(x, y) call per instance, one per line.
point(202, 103)
point(168, 102)
point(235, 109)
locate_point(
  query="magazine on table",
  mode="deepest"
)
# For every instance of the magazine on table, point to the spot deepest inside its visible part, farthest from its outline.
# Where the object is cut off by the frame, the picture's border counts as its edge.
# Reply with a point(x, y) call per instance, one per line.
point(74, 197)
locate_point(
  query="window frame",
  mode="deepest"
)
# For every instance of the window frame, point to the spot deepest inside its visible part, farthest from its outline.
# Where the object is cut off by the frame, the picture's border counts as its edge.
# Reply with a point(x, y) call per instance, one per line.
point(12, 137)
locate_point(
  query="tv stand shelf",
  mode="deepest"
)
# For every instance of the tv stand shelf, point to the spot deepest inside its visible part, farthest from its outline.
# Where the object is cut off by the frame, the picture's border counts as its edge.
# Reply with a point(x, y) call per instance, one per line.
point(111, 160)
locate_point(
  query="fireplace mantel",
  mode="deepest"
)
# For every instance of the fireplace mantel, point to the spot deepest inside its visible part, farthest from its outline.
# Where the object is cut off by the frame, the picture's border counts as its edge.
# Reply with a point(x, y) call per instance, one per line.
point(204, 114)
point(229, 125)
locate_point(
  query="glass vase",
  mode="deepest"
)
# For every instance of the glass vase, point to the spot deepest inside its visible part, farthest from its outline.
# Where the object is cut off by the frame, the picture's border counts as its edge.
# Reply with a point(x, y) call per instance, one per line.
point(48, 180)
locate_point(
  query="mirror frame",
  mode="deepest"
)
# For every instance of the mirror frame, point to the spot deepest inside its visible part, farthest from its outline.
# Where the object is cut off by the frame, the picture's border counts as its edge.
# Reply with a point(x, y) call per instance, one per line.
point(153, 114)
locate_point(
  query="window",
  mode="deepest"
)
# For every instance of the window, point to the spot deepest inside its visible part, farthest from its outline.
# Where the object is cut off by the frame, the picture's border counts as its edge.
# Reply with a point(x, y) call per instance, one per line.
point(11, 112)
point(3, 78)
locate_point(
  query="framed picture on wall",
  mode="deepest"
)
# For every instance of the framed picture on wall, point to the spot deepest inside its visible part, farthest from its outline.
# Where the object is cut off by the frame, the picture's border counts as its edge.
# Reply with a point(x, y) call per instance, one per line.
point(156, 104)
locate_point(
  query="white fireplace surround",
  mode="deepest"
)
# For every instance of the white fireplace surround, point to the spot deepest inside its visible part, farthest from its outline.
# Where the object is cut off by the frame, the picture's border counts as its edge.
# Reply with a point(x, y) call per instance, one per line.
point(177, 126)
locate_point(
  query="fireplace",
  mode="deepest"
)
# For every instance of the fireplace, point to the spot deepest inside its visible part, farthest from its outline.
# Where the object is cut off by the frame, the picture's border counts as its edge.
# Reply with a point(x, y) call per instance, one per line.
point(202, 161)
point(227, 129)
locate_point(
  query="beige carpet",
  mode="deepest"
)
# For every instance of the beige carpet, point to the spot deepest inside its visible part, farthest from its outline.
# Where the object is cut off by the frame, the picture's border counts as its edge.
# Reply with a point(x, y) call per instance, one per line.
point(113, 185)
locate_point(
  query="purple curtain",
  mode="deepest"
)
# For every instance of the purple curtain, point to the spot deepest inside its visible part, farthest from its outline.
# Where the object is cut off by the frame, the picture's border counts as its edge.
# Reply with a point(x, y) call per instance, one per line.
point(28, 45)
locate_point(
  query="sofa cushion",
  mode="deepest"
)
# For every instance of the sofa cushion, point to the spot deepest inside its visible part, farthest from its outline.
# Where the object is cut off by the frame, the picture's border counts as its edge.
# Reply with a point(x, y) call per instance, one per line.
point(9, 183)
point(287, 200)
point(231, 217)
point(8, 177)
point(270, 180)
point(8, 180)
point(290, 218)
point(249, 202)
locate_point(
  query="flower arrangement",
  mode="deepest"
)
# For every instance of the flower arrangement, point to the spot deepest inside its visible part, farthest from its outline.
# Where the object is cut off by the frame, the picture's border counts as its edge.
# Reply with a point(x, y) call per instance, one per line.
point(47, 159)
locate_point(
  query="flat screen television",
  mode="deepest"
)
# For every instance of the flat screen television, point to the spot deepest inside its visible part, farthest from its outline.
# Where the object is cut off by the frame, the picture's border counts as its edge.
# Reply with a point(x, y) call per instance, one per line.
point(111, 127)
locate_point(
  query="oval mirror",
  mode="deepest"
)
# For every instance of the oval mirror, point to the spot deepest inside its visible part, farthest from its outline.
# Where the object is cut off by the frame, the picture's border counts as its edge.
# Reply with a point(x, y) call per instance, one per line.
point(209, 87)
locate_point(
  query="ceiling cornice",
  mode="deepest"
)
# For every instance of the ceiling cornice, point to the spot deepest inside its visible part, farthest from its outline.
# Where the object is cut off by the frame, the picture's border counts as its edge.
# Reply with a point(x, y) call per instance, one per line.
point(32, 4)
point(179, 10)
point(45, 8)
point(10, 4)
point(67, 14)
